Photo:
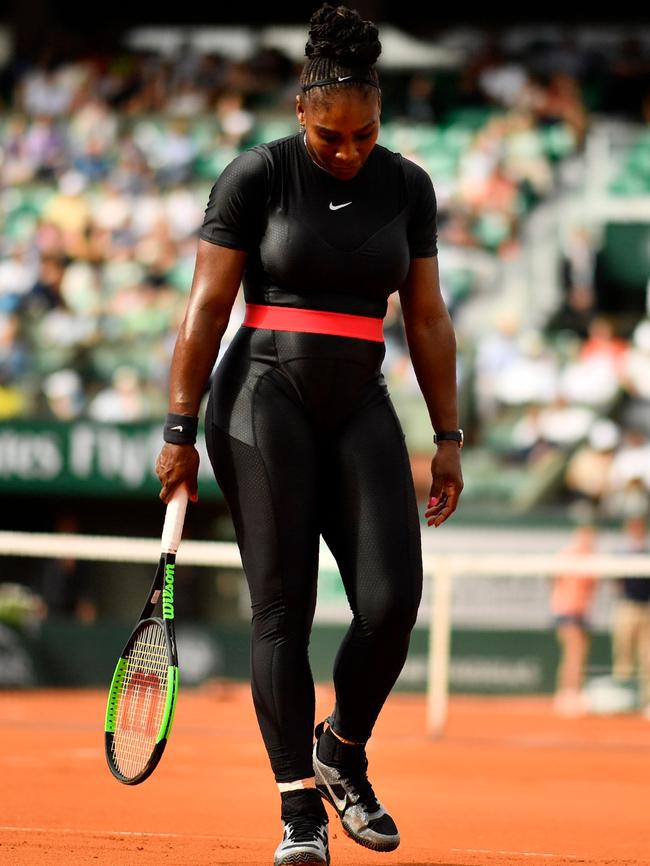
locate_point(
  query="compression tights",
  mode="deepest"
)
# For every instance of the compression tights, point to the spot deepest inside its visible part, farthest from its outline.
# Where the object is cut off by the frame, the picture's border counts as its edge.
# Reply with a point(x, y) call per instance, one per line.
point(304, 442)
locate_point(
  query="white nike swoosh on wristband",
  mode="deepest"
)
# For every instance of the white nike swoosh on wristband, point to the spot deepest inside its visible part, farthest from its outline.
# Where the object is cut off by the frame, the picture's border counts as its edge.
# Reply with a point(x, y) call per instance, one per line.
point(178, 427)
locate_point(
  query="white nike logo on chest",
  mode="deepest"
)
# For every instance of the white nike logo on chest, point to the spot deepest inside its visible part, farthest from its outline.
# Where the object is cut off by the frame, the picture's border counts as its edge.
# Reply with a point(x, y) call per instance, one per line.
point(339, 206)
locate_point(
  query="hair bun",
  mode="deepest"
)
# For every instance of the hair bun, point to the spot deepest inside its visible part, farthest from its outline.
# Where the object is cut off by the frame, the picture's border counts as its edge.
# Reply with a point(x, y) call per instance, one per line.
point(343, 35)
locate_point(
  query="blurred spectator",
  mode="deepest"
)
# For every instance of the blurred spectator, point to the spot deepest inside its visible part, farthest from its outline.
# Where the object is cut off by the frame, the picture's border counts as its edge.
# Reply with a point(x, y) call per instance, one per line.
point(123, 401)
point(63, 391)
point(558, 425)
point(636, 378)
point(589, 467)
point(496, 351)
point(629, 472)
point(530, 378)
point(18, 274)
point(419, 102)
point(593, 377)
point(234, 120)
point(571, 600)
point(45, 293)
point(66, 584)
point(631, 623)
point(575, 312)
point(13, 365)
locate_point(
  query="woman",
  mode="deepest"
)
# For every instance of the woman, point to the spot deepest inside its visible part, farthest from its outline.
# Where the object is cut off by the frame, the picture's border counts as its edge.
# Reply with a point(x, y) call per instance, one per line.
point(571, 600)
point(322, 227)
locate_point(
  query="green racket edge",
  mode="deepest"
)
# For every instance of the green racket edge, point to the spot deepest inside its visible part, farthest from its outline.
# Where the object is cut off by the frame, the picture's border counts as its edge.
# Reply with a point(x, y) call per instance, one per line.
point(165, 724)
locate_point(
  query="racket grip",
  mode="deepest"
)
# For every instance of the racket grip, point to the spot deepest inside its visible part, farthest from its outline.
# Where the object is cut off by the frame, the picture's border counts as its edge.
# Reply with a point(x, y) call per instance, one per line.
point(174, 520)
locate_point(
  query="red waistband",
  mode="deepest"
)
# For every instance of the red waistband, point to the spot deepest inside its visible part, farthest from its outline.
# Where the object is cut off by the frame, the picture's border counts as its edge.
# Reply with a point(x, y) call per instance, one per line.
point(314, 322)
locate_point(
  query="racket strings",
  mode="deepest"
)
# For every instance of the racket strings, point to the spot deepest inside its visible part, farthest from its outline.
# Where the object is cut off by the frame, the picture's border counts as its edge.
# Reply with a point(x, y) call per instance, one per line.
point(141, 703)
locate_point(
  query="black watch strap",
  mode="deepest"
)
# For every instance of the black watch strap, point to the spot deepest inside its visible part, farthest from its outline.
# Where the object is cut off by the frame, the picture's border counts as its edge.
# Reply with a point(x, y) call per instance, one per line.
point(453, 435)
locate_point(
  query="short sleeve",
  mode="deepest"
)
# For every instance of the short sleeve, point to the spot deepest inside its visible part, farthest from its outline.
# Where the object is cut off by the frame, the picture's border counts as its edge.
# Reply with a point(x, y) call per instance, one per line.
point(422, 231)
point(236, 209)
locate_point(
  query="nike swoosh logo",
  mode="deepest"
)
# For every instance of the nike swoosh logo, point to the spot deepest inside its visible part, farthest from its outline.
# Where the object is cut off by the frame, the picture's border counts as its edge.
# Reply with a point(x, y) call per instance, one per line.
point(178, 427)
point(344, 77)
point(340, 804)
point(339, 206)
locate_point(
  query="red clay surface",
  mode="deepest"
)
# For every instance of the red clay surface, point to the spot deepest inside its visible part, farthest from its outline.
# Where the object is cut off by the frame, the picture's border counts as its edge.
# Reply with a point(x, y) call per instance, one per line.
point(508, 784)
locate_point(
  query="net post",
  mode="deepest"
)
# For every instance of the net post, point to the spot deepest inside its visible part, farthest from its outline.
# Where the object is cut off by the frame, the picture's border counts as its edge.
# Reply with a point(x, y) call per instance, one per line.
point(439, 647)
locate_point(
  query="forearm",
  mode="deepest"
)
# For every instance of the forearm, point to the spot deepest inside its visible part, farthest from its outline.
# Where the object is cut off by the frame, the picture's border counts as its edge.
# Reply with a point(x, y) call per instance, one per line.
point(195, 352)
point(432, 346)
point(217, 277)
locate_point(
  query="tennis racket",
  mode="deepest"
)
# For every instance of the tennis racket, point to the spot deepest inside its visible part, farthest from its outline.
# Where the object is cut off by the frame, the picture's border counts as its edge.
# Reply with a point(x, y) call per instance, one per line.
point(142, 697)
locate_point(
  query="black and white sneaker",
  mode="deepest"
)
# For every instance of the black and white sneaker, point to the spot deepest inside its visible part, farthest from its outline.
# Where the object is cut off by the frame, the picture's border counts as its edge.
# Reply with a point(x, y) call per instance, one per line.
point(348, 790)
point(304, 841)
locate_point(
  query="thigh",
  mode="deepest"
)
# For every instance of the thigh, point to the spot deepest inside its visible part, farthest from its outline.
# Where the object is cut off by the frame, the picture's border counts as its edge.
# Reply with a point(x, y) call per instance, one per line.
point(269, 480)
point(370, 517)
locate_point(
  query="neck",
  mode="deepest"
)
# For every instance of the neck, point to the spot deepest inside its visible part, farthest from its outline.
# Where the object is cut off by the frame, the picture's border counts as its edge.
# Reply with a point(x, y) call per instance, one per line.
point(312, 157)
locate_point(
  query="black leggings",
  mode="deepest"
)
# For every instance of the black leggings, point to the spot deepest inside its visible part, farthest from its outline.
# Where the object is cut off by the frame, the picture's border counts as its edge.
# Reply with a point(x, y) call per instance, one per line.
point(304, 442)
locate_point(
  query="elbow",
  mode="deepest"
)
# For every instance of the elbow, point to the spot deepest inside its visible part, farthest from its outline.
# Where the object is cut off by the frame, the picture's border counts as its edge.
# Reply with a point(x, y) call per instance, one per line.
point(430, 327)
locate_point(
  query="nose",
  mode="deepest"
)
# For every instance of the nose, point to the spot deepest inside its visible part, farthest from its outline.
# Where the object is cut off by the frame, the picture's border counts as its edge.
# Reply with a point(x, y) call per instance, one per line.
point(347, 153)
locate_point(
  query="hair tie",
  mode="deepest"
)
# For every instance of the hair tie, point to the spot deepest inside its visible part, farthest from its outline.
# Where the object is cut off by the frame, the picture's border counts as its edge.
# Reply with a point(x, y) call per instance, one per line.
point(340, 79)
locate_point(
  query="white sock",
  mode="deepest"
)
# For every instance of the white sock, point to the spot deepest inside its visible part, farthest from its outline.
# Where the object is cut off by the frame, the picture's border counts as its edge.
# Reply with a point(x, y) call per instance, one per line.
point(297, 785)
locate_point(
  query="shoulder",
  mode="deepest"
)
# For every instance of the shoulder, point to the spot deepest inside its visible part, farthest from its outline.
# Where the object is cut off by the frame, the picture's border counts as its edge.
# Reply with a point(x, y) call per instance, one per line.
point(259, 162)
point(250, 166)
point(416, 178)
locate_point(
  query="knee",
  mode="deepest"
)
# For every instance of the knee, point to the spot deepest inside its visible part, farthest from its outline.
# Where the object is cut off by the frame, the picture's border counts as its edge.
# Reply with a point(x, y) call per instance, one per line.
point(280, 623)
point(390, 616)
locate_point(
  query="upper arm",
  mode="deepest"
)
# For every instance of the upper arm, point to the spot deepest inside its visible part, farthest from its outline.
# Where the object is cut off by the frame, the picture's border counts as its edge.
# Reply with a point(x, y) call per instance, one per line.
point(217, 276)
point(235, 215)
point(423, 211)
point(420, 294)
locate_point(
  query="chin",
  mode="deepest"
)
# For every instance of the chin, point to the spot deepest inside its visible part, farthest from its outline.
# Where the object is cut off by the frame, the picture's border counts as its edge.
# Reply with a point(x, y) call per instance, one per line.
point(345, 174)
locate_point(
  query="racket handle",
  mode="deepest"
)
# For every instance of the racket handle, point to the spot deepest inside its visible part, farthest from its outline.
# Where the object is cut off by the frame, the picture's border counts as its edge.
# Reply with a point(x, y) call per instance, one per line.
point(174, 519)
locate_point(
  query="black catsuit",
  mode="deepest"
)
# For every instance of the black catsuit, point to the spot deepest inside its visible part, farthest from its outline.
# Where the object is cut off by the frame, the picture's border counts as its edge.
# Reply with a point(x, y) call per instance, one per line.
point(302, 436)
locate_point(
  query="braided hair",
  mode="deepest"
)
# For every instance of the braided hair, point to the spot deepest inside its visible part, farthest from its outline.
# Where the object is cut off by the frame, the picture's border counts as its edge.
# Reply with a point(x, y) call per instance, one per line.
point(341, 51)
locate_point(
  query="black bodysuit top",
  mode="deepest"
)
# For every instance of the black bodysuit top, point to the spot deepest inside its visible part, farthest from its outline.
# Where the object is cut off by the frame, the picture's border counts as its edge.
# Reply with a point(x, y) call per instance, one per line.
point(317, 242)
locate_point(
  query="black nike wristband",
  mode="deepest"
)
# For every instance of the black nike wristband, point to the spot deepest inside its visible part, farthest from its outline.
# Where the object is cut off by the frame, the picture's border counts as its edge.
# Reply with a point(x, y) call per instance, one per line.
point(180, 429)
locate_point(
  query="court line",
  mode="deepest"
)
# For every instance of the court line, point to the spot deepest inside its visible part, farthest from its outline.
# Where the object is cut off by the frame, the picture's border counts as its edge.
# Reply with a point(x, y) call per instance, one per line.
point(84, 832)
point(516, 853)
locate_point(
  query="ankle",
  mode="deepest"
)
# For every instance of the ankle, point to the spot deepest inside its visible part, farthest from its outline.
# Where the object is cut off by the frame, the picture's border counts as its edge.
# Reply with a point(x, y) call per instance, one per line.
point(336, 752)
point(301, 803)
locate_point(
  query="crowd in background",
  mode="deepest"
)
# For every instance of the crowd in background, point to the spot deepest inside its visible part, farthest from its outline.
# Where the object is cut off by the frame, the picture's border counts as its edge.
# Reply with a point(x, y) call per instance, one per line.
point(105, 169)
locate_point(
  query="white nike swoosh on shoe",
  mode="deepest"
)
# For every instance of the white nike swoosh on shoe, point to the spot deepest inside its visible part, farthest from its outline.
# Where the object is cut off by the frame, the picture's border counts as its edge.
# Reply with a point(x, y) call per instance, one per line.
point(341, 805)
point(339, 206)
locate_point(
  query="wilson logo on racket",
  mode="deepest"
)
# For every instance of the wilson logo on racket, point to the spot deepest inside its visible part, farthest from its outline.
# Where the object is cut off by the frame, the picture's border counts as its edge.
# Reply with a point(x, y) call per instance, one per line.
point(168, 592)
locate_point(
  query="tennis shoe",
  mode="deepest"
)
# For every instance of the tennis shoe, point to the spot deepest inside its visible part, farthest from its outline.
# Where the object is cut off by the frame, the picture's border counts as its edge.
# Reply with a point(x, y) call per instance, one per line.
point(304, 841)
point(348, 790)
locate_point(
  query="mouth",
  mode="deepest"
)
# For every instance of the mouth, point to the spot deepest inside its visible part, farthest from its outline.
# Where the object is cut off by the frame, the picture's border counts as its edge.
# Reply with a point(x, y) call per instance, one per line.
point(344, 173)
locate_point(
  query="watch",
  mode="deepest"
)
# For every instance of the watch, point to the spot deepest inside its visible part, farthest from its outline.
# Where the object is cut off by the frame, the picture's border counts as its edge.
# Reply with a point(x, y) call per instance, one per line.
point(455, 435)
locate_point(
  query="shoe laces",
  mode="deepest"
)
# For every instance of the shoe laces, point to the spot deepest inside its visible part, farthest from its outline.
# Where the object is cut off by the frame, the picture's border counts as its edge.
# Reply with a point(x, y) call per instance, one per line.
point(305, 829)
point(357, 778)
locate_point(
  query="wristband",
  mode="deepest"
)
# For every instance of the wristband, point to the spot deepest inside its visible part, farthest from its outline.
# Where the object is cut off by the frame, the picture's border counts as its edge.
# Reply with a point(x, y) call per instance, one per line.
point(180, 429)
point(454, 435)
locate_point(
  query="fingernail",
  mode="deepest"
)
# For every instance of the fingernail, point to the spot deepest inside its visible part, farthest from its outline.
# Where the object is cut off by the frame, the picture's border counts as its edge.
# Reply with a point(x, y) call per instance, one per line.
point(433, 501)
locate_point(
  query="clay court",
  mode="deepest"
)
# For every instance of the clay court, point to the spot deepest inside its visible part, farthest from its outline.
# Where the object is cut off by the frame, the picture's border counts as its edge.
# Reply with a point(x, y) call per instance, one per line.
point(509, 783)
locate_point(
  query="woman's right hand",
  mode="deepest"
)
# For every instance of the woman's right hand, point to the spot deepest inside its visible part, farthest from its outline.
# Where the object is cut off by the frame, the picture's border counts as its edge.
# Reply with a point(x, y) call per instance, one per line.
point(178, 464)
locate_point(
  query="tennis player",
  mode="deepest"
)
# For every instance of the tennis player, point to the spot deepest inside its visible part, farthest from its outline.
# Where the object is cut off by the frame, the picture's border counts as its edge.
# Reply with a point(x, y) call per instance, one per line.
point(322, 227)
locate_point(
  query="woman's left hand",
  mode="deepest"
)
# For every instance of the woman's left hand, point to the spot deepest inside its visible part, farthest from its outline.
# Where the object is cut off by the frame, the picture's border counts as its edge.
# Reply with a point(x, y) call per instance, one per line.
point(446, 483)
